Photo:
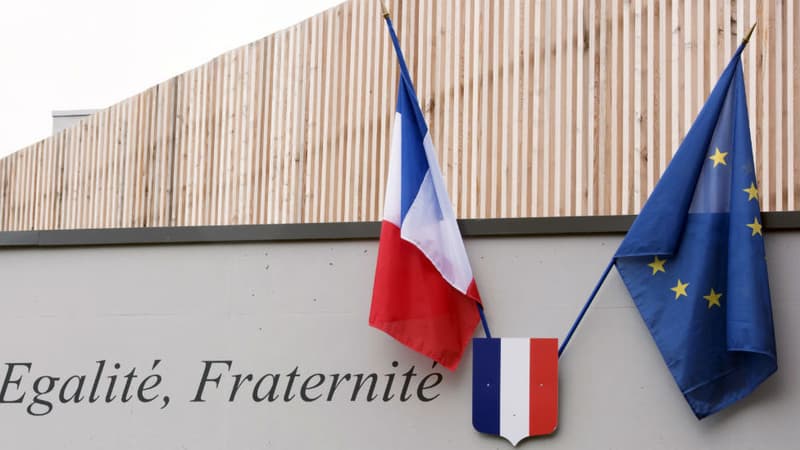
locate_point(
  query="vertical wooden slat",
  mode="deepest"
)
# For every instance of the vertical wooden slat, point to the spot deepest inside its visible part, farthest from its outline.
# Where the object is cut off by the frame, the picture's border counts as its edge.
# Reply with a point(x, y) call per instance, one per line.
point(5, 185)
point(792, 90)
point(640, 153)
point(356, 129)
point(223, 156)
point(442, 124)
point(17, 189)
point(36, 181)
point(104, 129)
point(110, 166)
point(70, 173)
point(456, 94)
point(474, 74)
point(267, 123)
point(601, 117)
point(236, 88)
point(83, 155)
point(502, 104)
point(249, 124)
point(525, 143)
point(150, 157)
point(359, 124)
point(30, 194)
point(688, 62)
point(312, 130)
point(627, 170)
point(168, 92)
point(558, 109)
point(287, 142)
point(763, 116)
point(326, 144)
point(651, 120)
point(492, 151)
point(91, 193)
point(4, 174)
point(343, 108)
point(569, 112)
point(61, 174)
point(778, 143)
point(141, 213)
point(617, 101)
point(301, 124)
point(676, 63)
point(44, 158)
point(233, 142)
point(14, 173)
point(545, 159)
point(701, 59)
point(190, 150)
point(14, 188)
point(591, 28)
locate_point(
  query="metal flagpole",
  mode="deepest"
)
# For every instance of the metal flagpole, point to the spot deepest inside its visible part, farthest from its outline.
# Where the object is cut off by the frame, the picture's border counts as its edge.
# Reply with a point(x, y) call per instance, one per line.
point(585, 307)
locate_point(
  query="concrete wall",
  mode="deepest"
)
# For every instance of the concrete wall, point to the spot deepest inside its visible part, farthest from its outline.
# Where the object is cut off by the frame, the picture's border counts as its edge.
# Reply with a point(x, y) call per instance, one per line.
point(272, 307)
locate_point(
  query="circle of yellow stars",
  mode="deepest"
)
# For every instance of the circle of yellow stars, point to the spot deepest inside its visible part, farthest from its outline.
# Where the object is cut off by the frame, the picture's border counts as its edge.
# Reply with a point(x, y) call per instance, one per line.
point(680, 288)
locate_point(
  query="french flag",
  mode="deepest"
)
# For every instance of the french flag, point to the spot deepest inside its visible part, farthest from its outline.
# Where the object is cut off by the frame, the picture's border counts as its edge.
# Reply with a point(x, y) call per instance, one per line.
point(515, 387)
point(424, 294)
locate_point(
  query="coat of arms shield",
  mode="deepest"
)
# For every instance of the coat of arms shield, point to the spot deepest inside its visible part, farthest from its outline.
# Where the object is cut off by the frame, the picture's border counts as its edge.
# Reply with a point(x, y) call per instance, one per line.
point(515, 387)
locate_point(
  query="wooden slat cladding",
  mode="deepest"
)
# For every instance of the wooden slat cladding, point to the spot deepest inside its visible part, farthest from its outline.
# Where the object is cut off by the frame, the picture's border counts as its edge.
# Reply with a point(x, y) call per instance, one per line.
point(536, 108)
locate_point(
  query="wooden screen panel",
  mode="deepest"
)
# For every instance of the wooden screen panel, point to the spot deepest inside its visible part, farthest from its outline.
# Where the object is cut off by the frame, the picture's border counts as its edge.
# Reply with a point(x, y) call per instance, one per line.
point(536, 108)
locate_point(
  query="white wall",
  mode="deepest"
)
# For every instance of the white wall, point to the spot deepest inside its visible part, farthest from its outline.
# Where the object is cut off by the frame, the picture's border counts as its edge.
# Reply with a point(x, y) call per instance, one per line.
point(269, 307)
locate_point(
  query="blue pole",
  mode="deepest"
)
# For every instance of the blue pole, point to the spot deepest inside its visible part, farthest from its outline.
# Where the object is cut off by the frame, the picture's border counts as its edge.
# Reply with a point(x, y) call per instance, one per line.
point(483, 321)
point(585, 307)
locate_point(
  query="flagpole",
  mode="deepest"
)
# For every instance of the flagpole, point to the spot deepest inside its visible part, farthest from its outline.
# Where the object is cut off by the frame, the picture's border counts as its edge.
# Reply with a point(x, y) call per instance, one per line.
point(585, 307)
point(750, 33)
point(396, 43)
point(407, 77)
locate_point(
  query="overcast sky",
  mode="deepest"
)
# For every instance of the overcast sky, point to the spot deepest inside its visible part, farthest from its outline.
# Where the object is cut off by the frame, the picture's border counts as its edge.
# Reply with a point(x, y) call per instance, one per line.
point(90, 54)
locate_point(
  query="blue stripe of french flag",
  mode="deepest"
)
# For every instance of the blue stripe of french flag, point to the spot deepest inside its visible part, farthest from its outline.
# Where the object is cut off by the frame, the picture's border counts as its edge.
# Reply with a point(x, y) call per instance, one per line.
point(515, 387)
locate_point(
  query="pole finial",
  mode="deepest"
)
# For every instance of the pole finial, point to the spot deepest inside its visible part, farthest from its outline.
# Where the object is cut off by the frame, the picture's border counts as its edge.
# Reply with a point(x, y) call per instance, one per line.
point(385, 10)
point(750, 33)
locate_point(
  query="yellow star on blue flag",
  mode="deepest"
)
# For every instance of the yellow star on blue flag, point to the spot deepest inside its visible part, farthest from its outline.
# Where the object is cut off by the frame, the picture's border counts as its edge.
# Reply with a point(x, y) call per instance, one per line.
point(698, 218)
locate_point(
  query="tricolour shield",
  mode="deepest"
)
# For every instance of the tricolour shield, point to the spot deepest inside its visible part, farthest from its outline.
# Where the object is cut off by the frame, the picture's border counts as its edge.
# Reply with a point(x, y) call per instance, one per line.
point(515, 387)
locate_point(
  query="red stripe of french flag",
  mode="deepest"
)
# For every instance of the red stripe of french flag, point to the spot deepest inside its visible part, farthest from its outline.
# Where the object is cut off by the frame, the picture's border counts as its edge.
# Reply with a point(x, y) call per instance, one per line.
point(414, 304)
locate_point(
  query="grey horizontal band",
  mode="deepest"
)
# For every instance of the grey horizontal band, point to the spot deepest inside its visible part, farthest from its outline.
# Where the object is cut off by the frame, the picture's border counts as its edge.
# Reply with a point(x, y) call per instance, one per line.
point(336, 231)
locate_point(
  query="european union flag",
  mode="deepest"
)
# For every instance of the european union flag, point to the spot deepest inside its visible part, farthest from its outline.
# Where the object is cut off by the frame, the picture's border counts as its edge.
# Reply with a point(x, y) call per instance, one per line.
point(694, 259)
